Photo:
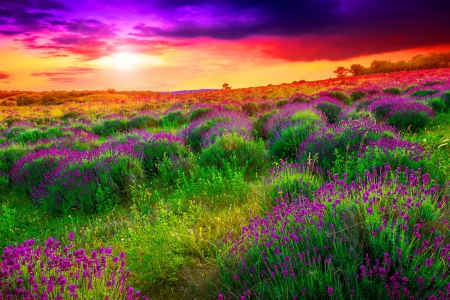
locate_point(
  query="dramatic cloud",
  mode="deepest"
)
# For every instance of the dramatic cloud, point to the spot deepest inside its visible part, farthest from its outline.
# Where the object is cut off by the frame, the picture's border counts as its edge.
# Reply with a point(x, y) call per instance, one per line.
point(51, 5)
point(240, 34)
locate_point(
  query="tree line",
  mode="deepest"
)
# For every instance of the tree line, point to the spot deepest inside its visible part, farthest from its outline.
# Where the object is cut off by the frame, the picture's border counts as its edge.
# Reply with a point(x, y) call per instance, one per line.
point(418, 62)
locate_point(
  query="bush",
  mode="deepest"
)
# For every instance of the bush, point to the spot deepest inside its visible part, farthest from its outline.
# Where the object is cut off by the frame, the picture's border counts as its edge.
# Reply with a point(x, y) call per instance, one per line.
point(330, 107)
point(71, 115)
point(423, 93)
point(353, 114)
point(143, 121)
point(284, 117)
point(194, 132)
point(394, 90)
point(96, 185)
point(33, 135)
point(13, 131)
point(236, 151)
point(385, 151)
point(110, 126)
point(409, 116)
point(159, 146)
point(380, 108)
point(299, 98)
point(293, 180)
point(357, 95)
point(392, 231)
point(242, 127)
point(280, 103)
point(437, 104)
point(283, 142)
point(55, 271)
point(174, 116)
point(260, 122)
point(341, 96)
point(198, 113)
point(446, 97)
point(250, 108)
point(329, 141)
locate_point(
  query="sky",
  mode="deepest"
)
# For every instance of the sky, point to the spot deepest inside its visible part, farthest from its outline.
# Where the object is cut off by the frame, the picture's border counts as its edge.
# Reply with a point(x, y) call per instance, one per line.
point(168, 45)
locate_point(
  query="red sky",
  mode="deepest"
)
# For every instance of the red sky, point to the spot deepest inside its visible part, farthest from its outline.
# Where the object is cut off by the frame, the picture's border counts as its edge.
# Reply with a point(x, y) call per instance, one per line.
point(167, 45)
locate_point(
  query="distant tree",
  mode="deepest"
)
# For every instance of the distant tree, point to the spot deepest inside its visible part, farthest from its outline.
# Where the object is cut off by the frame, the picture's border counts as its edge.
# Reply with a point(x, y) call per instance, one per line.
point(341, 72)
point(111, 91)
point(226, 86)
point(357, 69)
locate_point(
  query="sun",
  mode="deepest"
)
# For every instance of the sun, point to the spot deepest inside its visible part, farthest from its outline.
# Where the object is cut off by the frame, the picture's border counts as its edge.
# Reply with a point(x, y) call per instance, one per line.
point(128, 61)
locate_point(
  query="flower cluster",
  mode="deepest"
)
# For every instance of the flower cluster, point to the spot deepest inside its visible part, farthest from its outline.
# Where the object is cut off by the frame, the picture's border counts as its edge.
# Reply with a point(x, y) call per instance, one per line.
point(383, 235)
point(54, 271)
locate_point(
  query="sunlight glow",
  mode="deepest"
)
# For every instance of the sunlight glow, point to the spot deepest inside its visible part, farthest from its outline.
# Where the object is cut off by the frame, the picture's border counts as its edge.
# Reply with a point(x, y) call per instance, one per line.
point(128, 61)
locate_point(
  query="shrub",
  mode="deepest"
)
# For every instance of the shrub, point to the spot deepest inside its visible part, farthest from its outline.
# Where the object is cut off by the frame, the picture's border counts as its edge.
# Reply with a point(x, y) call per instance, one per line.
point(423, 93)
point(380, 108)
point(111, 125)
point(409, 87)
point(32, 135)
point(199, 112)
point(329, 141)
point(172, 167)
point(281, 119)
point(250, 108)
point(299, 98)
point(293, 180)
point(392, 231)
point(96, 185)
point(363, 105)
point(194, 132)
point(409, 115)
point(55, 271)
point(280, 103)
point(260, 122)
point(242, 127)
point(12, 131)
point(357, 95)
point(354, 114)
point(437, 104)
point(71, 115)
point(385, 151)
point(341, 96)
point(11, 152)
point(158, 146)
point(237, 151)
point(174, 116)
point(446, 97)
point(330, 107)
point(283, 142)
point(394, 90)
point(143, 121)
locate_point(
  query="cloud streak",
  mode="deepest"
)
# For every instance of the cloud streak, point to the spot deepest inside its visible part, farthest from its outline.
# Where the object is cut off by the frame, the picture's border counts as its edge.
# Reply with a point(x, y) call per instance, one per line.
point(4, 75)
point(65, 75)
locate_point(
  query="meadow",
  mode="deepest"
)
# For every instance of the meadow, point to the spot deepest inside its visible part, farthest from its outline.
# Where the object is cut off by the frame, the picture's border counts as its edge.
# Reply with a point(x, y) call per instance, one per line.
point(334, 189)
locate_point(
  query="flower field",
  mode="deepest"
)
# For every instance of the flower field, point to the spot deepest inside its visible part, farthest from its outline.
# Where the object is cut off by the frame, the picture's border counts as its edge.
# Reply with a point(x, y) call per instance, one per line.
point(334, 189)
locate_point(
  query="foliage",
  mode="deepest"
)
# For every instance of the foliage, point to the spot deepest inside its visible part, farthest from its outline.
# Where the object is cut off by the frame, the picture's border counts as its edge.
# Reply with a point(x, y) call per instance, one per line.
point(301, 248)
point(235, 150)
point(409, 115)
point(59, 272)
point(330, 107)
point(348, 137)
